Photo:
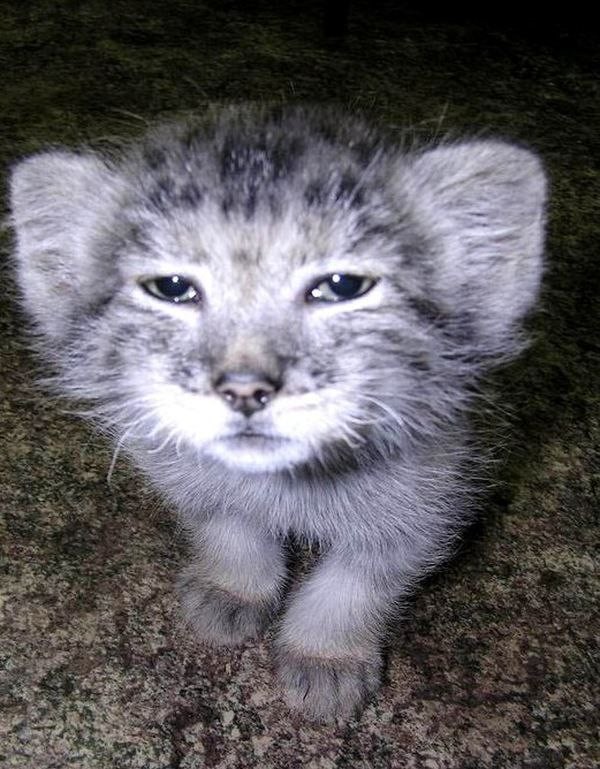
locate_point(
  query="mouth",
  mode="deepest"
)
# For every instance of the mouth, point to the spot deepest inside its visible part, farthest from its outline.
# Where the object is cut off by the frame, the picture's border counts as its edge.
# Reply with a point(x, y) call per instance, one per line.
point(249, 449)
point(253, 439)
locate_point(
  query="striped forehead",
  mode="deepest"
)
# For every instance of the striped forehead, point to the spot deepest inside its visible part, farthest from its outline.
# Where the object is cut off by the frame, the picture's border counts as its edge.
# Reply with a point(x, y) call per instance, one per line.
point(209, 236)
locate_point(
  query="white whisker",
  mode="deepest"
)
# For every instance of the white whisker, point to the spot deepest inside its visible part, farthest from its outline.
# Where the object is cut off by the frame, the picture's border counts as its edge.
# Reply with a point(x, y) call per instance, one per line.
point(163, 445)
point(385, 408)
point(117, 450)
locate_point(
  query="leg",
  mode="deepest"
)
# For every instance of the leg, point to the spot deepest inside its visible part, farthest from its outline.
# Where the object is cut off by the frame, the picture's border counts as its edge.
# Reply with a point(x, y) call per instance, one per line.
point(232, 588)
point(329, 642)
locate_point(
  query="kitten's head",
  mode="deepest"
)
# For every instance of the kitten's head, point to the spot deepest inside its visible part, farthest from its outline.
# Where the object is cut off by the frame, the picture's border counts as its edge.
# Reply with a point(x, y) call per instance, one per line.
point(265, 286)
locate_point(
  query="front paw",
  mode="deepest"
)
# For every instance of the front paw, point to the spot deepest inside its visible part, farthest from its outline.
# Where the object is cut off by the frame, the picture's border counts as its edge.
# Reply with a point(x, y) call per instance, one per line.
point(219, 617)
point(324, 689)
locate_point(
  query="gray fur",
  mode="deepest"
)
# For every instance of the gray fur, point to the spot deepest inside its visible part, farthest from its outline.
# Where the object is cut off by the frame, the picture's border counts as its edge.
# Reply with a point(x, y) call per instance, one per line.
point(365, 446)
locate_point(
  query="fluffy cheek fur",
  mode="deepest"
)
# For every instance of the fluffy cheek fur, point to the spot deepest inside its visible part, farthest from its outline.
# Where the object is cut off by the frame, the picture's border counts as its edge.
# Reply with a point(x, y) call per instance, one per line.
point(294, 429)
point(166, 397)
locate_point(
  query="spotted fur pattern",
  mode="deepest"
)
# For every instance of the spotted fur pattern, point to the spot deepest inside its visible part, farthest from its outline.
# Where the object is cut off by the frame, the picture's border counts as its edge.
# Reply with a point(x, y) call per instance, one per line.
point(364, 447)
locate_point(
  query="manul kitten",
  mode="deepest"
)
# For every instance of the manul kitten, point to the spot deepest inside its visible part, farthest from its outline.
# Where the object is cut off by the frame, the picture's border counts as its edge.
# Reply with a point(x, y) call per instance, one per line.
point(281, 314)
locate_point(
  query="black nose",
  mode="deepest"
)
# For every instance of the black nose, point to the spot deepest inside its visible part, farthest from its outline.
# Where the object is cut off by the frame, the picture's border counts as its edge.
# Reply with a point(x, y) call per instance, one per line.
point(246, 391)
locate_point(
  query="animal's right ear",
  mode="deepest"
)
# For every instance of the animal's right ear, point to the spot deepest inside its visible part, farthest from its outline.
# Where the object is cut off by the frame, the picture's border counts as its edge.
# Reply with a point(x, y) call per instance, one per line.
point(483, 201)
point(61, 203)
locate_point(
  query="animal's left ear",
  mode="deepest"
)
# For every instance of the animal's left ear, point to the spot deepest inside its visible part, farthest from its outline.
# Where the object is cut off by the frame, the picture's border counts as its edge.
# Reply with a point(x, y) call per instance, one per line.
point(485, 202)
point(61, 203)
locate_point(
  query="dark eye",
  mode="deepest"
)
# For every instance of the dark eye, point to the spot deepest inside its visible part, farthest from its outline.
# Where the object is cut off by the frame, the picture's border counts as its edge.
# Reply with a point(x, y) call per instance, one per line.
point(172, 288)
point(340, 287)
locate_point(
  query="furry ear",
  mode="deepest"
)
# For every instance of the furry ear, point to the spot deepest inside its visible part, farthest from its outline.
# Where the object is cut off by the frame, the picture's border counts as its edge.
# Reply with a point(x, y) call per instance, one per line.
point(60, 203)
point(485, 202)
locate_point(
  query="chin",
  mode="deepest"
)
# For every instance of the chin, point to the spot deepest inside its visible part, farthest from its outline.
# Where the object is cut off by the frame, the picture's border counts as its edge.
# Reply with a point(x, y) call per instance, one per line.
point(259, 454)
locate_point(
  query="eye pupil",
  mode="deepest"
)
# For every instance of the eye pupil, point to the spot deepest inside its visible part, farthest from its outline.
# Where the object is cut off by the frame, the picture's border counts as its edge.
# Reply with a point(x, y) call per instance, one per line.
point(172, 288)
point(339, 287)
point(345, 286)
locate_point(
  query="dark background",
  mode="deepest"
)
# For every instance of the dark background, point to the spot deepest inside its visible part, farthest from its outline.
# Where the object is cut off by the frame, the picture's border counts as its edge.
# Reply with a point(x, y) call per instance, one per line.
point(494, 665)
